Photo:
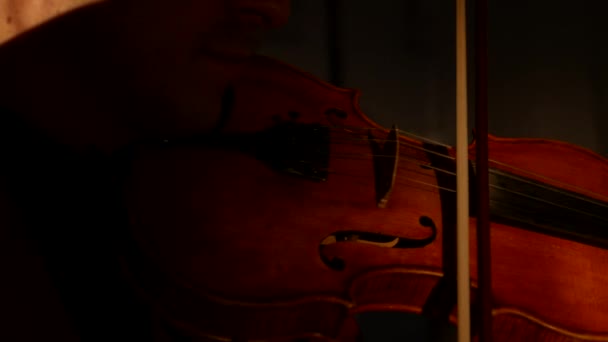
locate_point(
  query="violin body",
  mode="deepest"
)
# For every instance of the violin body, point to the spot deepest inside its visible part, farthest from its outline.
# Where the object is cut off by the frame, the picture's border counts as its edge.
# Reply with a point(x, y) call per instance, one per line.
point(286, 235)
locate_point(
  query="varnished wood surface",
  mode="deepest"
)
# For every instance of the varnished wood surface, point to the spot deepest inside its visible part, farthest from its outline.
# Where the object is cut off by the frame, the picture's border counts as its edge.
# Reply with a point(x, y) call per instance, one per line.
point(239, 243)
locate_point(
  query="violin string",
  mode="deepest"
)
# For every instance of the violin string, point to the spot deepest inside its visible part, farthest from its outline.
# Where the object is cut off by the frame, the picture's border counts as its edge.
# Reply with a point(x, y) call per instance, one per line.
point(549, 179)
point(549, 202)
point(361, 156)
point(473, 162)
point(366, 129)
point(418, 163)
point(426, 165)
point(364, 140)
point(408, 144)
point(434, 142)
point(436, 187)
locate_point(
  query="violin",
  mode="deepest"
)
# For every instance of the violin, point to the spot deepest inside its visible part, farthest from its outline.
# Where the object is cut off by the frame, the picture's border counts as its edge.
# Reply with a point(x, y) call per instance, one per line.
point(301, 212)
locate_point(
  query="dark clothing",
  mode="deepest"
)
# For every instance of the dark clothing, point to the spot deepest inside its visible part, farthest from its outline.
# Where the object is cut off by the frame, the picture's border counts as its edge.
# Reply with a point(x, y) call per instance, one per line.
point(70, 205)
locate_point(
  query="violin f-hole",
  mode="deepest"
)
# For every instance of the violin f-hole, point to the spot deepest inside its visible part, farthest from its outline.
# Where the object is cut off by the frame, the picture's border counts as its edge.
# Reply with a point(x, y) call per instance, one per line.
point(376, 239)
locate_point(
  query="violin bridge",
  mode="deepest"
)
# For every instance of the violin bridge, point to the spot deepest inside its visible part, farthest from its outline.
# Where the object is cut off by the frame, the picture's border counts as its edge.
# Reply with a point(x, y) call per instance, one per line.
point(385, 160)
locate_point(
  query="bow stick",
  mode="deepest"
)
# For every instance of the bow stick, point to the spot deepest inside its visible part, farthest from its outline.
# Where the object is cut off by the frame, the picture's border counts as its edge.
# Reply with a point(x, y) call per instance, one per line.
point(462, 178)
point(484, 314)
